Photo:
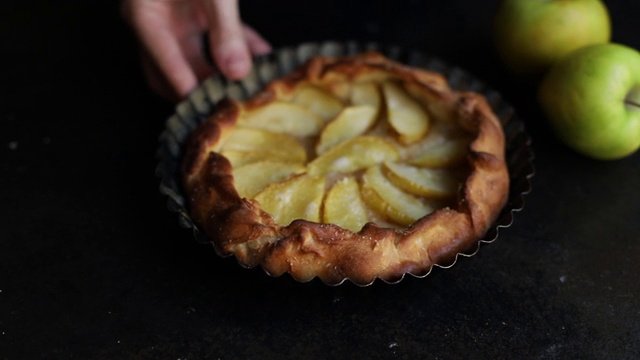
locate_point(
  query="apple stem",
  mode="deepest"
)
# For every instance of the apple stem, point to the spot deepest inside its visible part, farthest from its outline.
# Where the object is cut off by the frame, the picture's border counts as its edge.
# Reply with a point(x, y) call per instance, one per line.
point(631, 103)
point(632, 100)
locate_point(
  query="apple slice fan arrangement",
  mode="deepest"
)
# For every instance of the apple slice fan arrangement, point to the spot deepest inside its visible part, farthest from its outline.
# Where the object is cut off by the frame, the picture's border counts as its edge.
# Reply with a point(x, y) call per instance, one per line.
point(337, 162)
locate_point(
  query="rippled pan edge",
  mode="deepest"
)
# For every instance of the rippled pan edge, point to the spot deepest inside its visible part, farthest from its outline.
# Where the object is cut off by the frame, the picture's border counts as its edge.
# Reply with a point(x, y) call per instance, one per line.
point(201, 102)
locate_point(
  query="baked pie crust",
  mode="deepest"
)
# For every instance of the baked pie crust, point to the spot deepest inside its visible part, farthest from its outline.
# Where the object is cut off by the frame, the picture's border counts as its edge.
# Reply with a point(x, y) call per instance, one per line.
point(361, 141)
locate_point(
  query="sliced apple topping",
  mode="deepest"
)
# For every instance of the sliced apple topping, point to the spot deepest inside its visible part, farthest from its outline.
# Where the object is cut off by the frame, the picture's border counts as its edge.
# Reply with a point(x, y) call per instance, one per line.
point(390, 201)
point(269, 144)
point(442, 154)
point(318, 102)
point(405, 115)
point(344, 206)
point(348, 154)
point(239, 158)
point(250, 179)
point(358, 153)
point(366, 93)
point(284, 117)
point(299, 197)
point(351, 122)
point(436, 183)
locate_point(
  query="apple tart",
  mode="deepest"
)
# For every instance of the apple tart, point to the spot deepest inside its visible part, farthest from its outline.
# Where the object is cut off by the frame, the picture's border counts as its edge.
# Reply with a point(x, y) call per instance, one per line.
point(355, 167)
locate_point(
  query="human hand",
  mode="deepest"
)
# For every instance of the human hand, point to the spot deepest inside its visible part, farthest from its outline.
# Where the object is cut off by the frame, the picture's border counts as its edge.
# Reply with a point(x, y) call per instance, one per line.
point(173, 51)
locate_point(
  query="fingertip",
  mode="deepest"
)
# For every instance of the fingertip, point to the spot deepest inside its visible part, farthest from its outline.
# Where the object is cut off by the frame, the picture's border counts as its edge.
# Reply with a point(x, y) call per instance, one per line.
point(262, 48)
point(257, 44)
point(237, 71)
point(172, 88)
point(182, 84)
point(235, 66)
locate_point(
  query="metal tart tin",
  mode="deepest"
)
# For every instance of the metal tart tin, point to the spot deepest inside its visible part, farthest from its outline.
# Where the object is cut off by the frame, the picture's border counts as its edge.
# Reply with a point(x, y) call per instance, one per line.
point(202, 102)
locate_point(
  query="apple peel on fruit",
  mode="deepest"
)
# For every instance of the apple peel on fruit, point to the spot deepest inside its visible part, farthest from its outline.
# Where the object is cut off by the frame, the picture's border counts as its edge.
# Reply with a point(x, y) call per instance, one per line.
point(591, 99)
point(531, 35)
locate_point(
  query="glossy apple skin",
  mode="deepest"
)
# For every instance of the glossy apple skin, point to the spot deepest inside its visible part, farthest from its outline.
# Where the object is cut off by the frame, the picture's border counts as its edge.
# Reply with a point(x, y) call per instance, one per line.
point(592, 98)
point(531, 35)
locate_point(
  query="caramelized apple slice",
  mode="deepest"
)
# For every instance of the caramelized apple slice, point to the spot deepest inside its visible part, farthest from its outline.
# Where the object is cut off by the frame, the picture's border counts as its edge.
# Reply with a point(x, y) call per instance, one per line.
point(388, 200)
point(266, 143)
point(366, 93)
point(318, 102)
point(352, 155)
point(299, 197)
point(437, 183)
point(250, 179)
point(283, 117)
point(344, 206)
point(443, 154)
point(239, 158)
point(351, 122)
point(405, 115)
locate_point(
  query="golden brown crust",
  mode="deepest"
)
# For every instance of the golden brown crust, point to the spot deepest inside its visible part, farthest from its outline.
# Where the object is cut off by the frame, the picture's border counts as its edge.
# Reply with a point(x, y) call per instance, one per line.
point(239, 227)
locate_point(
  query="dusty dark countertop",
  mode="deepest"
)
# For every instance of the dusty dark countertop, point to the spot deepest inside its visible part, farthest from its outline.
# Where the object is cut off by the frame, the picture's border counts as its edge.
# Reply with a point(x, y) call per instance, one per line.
point(93, 265)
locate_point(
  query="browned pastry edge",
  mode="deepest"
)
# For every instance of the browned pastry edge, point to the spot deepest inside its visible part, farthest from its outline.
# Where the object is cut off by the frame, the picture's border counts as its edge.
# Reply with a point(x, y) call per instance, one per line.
point(305, 249)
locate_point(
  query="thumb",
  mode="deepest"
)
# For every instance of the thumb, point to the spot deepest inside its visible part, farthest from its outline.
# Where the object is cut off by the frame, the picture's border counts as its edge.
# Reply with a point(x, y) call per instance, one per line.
point(226, 38)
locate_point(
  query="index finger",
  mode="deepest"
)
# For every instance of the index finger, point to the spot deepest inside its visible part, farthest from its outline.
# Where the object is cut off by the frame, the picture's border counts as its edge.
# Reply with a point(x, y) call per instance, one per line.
point(229, 49)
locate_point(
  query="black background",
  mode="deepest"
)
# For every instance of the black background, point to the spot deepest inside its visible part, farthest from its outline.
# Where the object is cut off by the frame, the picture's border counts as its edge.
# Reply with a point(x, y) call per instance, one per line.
point(93, 265)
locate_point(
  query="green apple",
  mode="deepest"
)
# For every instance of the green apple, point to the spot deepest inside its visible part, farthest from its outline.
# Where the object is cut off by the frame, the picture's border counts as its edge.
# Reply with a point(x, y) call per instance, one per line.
point(592, 100)
point(531, 35)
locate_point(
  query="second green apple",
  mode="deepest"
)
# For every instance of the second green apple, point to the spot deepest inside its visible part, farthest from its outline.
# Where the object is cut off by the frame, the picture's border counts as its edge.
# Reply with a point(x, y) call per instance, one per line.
point(530, 35)
point(592, 100)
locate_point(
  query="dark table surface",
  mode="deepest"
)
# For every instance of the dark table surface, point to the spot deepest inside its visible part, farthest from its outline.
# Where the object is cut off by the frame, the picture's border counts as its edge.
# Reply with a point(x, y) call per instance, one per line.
point(93, 265)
